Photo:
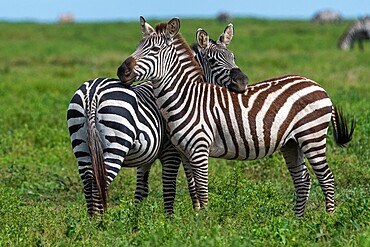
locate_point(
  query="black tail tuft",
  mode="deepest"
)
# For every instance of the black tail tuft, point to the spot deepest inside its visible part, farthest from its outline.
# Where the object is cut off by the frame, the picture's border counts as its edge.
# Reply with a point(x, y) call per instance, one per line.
point(342, 134)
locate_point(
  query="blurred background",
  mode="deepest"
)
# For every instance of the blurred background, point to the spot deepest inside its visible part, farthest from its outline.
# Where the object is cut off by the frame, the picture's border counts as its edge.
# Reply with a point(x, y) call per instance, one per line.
point(123, 10)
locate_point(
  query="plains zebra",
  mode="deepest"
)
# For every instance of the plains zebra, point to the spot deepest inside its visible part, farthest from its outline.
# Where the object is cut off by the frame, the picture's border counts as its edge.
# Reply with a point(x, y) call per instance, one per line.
point(326, 16)
point(357, 31)
point(290, 113)
point(115, 126)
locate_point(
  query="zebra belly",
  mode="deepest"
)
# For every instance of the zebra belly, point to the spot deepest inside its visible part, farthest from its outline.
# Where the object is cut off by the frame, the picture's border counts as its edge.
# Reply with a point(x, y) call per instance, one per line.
point(143, 152)
point(239, 150)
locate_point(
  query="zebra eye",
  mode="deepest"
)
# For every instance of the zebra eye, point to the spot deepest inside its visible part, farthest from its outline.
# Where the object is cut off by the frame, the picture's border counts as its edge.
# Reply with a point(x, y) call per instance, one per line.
point(156, 48)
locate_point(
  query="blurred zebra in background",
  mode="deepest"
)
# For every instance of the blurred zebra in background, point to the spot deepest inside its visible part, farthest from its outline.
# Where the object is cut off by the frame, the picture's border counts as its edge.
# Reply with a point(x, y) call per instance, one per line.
point(357, 31)
point(326, 16)
point(290, 113)
point(113, 126)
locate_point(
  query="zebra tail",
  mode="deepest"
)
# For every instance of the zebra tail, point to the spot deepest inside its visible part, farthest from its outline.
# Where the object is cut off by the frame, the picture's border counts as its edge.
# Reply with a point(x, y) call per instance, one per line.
point(342, 134)
point(97, 160)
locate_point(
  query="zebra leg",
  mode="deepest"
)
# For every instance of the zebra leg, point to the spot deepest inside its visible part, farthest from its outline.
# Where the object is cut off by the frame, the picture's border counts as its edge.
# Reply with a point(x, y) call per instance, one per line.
point(317, 158)
point(142, 185)
point(171, 161)
point(360, 45)
point(199, 169)
point(295, 162)
point(191, 184)
point(93, 200)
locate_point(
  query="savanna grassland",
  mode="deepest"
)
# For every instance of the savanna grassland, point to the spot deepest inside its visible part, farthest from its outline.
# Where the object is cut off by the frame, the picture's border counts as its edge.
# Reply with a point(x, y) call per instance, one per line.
point(251, 203)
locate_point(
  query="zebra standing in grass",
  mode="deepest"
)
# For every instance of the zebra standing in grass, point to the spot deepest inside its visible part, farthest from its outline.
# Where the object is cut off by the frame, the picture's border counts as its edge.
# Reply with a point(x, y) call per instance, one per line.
point(357, 31)
point(290, 113)
point(113, 126)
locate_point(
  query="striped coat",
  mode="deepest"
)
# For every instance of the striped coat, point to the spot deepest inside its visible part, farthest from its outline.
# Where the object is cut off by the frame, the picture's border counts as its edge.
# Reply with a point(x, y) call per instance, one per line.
point(355, 32)
point(290, 113)
point(113, 126)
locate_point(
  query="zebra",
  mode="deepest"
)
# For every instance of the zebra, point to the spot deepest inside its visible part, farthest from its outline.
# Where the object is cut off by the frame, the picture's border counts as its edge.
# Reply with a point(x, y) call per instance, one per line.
point(119, 126)
point(326, 16)
point(356, 31)
point(290, 113)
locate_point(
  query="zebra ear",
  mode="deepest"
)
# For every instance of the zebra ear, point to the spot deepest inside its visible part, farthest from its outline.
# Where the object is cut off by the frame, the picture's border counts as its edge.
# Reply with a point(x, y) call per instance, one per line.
point(146, 29)
point(227, 35)
point(173, 27)
point(202, 38)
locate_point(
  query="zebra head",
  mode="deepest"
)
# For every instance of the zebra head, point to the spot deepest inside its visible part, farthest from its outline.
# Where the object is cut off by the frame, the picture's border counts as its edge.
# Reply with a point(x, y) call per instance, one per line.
point(217, 62)
point(156, 45)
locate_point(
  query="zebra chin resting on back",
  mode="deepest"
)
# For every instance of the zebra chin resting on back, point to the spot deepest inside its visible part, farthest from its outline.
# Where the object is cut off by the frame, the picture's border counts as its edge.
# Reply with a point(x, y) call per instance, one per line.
point(113, 126)
point(357, 31)
point(290, 113)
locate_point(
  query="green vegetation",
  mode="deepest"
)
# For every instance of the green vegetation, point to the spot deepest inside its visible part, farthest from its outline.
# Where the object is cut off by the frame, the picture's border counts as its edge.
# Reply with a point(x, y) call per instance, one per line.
point(251, 203)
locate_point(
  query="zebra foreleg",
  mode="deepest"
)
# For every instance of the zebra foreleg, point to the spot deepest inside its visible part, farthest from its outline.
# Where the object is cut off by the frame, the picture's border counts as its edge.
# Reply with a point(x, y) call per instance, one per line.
point(295, 162)
point(360, 45)
point(199, 167)
point(191, 183)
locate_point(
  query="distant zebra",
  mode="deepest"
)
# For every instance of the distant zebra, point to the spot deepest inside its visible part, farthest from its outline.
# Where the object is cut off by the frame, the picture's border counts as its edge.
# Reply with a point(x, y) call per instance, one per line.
point(113, 126)
point(326, 16)
point(290, 113)
point(357, 31)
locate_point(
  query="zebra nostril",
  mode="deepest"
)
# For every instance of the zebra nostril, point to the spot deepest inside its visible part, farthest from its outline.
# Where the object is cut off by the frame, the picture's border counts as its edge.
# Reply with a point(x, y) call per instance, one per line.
point(127, 71)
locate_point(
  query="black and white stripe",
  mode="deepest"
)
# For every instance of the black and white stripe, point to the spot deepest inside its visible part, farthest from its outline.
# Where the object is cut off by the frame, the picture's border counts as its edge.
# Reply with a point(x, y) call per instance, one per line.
point(217, 62)
point(130, 129)
point(290, 113)
point(357, 31)
point(124, 126)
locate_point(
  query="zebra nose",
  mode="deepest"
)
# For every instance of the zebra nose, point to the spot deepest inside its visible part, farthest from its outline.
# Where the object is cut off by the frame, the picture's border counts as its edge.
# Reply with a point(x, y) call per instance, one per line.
point(125, 71)
point(239, 80)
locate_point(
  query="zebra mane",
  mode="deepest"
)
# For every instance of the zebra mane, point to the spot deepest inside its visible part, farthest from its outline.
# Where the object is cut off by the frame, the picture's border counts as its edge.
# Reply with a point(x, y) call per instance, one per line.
point(182, 46)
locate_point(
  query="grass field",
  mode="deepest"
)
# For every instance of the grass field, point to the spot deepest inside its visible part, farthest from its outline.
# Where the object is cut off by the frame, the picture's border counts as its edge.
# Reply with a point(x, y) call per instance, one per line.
point(251, 203)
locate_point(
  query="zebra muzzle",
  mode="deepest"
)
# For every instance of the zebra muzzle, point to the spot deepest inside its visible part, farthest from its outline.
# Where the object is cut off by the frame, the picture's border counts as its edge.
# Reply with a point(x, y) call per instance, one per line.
point(239, 81)
point(125, 72)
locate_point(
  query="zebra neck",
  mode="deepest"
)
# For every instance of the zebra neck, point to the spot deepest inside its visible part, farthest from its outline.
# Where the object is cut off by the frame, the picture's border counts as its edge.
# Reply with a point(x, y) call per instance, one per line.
point(170, 89)
point(348, 39)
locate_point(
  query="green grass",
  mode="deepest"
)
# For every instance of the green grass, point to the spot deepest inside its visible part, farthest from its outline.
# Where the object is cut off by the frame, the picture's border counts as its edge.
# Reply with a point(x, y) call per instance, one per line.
point(251, 203)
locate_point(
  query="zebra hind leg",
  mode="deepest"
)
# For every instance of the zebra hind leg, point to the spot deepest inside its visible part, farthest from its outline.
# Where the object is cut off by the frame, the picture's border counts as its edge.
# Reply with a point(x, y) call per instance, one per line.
point(295, 162)
point(93, 200)
point(171, 161)
point(317, 158)
point(142, 184)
